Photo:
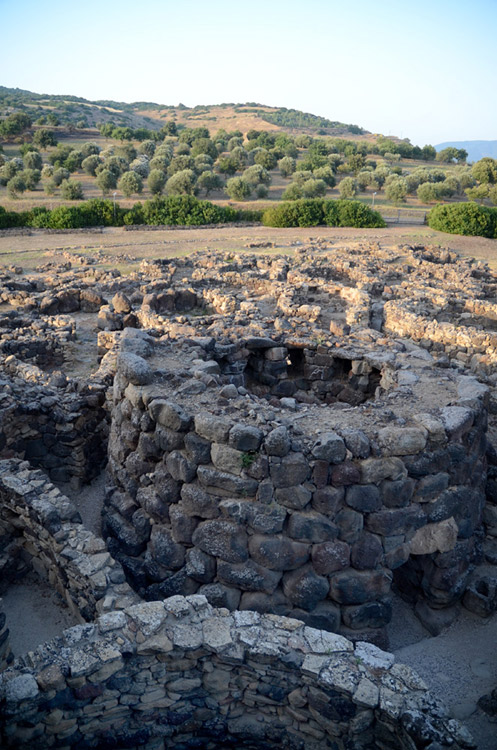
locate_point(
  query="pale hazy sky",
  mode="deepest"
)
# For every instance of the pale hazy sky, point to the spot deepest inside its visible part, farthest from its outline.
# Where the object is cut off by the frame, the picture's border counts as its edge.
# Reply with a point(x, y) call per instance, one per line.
point(425, 70)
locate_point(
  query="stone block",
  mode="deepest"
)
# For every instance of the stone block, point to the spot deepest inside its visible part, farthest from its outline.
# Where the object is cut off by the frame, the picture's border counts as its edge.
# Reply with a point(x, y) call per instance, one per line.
point(304, 588)
point(222, 539)
point(329, 557)
point(311, 527)
point(359, 586)
point(278, 553)
point(364, 498)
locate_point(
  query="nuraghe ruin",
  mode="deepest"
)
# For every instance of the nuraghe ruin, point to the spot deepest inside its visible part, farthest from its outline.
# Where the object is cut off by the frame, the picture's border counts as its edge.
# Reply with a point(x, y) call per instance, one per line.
point(287, 439)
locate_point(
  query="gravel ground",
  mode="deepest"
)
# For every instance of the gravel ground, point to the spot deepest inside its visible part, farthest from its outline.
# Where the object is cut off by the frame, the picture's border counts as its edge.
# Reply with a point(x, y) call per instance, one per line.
point(35, 614)
point(459, 665)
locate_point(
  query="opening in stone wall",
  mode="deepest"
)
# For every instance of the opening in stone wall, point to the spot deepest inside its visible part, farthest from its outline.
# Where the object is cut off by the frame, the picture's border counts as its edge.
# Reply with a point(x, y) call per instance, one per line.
point(298, 373)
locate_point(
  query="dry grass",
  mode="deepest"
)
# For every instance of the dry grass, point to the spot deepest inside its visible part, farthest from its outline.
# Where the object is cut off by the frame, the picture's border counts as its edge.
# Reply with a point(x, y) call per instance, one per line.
point(121, 249)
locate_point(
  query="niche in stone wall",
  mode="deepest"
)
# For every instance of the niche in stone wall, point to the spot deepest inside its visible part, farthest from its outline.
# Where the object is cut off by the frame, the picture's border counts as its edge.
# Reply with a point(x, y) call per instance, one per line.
point(293, 371)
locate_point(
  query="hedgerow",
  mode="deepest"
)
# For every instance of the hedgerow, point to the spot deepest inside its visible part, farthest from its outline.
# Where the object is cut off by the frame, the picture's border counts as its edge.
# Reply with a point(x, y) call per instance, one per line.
point(464, 218)
point(314, 212)
point(184, 210)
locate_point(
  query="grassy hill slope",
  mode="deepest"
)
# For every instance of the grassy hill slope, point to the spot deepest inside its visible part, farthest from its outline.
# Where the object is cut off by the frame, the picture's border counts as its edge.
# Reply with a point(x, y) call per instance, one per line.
point(72, 110)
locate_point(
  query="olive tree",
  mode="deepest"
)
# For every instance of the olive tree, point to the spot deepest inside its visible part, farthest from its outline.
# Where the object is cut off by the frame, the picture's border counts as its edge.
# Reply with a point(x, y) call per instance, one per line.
point(183, 182)
point(208, 181)
point(71, 190)
point(347, 188)
point(90, 164)
point(33, 160)
point(396, 190)
point(106, 181)
point(238, 189)
point(156, 181)
point(314, 188)
point(485, 170)
point(15, 186)
point(287, 166)
point(130, 183)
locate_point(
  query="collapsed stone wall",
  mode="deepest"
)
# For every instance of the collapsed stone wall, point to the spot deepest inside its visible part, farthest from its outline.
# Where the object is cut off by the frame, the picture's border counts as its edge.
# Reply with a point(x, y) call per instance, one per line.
point(40, 528)
point(281, 515)
point(180, 674)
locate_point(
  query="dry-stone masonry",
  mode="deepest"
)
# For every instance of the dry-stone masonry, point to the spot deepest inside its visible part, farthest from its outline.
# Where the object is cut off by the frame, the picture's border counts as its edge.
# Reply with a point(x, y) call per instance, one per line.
point(288, 437)
point(180, 674)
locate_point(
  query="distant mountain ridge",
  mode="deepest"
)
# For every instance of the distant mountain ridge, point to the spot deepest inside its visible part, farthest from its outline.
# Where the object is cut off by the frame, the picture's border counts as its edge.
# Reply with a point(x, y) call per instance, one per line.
point(476, 149)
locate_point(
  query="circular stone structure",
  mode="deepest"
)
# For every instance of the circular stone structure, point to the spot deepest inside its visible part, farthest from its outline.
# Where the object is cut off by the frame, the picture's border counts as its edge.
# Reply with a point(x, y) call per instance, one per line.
point(181, 674)
point(296, 478)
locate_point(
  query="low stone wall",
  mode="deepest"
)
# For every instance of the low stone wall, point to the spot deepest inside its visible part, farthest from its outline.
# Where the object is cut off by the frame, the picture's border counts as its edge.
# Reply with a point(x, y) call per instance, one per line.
point(306, 515)
point(59, 428)
point(47, 529)
point(180, 674)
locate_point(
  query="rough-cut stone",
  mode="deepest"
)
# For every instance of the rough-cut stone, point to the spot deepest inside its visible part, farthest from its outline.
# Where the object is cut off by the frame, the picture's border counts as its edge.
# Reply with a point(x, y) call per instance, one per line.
point(402, 441)
point(364, 498)
point(304, 587)
point(434, 537)
point(245, 437)
point(222, 539)
point(357, 587)
point(278, 553)
point(329, 557)
point(168, 414)
point(329, 447)
point(277, 442)
point(290, 470)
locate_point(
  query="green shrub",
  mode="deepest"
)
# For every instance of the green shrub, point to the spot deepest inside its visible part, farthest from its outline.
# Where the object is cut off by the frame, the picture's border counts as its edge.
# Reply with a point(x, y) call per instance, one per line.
point(464, 218)
point(173, 210)
point(334, 213)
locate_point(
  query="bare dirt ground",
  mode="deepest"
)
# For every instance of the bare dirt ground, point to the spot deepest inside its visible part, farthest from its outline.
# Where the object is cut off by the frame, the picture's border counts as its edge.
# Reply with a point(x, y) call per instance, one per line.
point(114, 243)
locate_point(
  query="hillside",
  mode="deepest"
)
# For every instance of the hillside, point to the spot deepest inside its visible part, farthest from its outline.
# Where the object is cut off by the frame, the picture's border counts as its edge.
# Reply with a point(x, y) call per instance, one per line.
point(476, 149)
point(74, 110)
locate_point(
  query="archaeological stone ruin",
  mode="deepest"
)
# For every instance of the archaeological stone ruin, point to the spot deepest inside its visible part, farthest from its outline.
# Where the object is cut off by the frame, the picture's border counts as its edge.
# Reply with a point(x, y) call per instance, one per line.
point(288, 440)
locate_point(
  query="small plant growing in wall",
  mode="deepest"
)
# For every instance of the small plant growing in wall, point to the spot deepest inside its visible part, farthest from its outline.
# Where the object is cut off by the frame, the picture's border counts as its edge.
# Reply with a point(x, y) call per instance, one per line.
point(247, 459)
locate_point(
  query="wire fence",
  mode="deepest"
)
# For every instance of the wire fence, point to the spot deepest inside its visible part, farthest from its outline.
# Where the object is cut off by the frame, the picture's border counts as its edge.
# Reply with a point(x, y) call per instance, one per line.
point(403, 216)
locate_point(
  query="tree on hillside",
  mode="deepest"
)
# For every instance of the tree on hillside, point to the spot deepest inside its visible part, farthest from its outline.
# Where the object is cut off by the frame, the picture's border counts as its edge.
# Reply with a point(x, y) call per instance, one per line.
point(182, 183)
point(130, 183)
point(485, 170)
point(287, 166)
point(347, 188)
point(32, 160)
point(15, 123)
point(396, 190)
point(451, 154)
point(238, 189)
point(156, 181)
point(106, 181)
point(314, 188)
point(266, 159)
point(71, 190)
point(208, 181)
point(44, 138)
point(15, 186)
point(90, 164)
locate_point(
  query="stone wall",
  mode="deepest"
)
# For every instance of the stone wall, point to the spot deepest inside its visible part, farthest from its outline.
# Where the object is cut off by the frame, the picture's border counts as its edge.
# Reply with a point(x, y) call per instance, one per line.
point(44, 531)
point(180, 674)
point(296, 508)
point(57, 426)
